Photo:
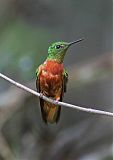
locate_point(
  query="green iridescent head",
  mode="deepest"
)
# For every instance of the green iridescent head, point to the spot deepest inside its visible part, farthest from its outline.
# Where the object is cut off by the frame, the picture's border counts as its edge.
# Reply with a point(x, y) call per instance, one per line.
point(58, 50)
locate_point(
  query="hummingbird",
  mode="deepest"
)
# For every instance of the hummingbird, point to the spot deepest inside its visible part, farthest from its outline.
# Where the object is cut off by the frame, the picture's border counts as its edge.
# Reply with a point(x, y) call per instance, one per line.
point(52, 80)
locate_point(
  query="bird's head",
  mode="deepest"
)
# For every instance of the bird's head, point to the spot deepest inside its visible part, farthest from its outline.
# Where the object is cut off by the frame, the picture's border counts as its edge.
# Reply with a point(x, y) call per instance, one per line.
point(58, 50)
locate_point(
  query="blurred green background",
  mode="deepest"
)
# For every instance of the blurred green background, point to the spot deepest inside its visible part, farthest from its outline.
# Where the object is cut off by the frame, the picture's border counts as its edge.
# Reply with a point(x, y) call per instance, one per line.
point(27, 28)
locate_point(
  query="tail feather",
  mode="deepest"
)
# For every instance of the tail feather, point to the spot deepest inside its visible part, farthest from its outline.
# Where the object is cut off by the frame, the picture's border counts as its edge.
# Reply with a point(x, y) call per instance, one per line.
point(50, 112)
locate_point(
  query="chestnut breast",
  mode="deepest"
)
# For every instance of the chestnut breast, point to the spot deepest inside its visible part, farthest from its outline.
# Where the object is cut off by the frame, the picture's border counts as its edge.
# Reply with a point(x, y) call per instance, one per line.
point(51, 78)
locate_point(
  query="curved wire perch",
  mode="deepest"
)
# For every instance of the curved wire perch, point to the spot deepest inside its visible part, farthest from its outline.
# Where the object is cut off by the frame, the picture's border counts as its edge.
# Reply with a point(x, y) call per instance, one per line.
point(89, 110)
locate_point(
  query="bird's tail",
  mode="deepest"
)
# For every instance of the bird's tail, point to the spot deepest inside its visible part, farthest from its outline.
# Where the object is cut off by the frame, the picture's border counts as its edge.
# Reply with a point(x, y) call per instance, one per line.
point(50, 112)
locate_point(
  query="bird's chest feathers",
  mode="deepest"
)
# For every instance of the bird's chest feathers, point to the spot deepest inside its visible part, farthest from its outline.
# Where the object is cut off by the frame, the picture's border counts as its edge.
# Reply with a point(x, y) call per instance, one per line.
point(52, 68)
point(51, 78)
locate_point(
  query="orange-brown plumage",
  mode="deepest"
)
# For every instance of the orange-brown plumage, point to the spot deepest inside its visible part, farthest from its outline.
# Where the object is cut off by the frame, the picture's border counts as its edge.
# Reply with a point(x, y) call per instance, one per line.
point(50, 84)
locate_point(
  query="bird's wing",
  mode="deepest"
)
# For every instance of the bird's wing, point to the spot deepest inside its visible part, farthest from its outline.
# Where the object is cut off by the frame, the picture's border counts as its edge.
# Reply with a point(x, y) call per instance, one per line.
point(65, 75)
point(38, 71)
point(37, 80)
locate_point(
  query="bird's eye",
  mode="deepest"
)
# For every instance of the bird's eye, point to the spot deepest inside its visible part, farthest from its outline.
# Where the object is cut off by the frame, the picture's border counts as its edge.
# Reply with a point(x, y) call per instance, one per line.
point(58, 46)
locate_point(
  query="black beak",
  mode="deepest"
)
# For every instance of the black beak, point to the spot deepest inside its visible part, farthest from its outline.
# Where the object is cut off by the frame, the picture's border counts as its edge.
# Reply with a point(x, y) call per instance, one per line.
point(76, 41)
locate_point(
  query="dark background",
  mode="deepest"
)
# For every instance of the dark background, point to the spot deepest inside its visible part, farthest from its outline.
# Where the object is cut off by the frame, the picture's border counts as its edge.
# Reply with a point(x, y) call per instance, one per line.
point(27, 28)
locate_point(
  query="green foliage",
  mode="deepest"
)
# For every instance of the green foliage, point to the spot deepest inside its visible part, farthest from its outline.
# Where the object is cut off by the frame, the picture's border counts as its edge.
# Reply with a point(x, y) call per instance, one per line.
point(22, 49)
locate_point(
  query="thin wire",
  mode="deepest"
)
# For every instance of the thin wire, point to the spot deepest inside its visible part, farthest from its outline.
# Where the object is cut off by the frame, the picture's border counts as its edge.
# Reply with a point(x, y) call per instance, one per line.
point(89, 110)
